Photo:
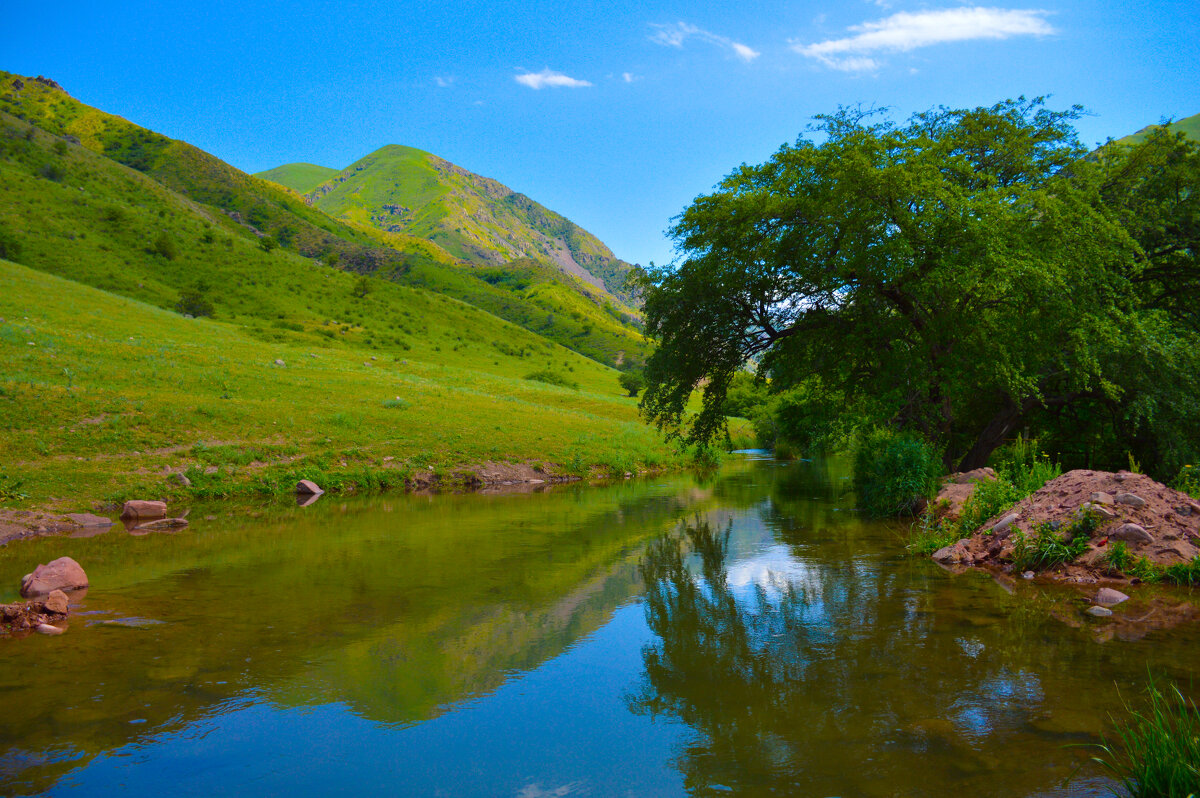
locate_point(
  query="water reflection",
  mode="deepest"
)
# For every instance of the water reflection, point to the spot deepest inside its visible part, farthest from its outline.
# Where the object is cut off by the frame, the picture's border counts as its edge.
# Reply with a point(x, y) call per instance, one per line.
point(812, 658)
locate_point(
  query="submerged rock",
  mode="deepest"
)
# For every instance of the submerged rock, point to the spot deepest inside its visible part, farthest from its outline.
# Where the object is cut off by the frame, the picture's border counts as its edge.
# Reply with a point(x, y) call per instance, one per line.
point(1108, 597)
point(61, 574)
point(47, 629)
point(1099, 612)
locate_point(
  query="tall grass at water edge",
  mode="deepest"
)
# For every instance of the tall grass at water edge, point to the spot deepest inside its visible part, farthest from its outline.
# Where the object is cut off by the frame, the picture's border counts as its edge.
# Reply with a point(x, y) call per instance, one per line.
point(1156, 752)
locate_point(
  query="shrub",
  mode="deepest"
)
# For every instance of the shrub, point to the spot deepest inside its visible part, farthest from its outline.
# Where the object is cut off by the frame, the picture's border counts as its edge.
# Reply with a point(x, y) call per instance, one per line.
point(195, 302)
point(551, 378)
point(267, 243)
point(895, 473)
point(10, 247)
point(395, 404)
point(1188, 480)
point(165, 245)
point(631, 381)
point(1157, 751)
point(53, 171)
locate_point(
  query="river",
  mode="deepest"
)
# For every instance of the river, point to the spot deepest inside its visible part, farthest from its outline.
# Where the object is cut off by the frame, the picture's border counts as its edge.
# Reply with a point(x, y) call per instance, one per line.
point(746, 632)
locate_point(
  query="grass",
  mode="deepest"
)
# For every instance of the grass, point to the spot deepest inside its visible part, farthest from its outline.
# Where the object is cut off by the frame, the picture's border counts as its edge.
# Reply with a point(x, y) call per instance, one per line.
point(1120, 560)
point(1020, 471)
point(99, 394)
point(77, 212)
point(1156, 753)
point(1049, 546)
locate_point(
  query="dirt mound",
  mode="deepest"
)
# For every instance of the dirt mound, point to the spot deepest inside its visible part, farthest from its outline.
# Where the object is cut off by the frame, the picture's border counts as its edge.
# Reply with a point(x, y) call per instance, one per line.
point(1152, 520)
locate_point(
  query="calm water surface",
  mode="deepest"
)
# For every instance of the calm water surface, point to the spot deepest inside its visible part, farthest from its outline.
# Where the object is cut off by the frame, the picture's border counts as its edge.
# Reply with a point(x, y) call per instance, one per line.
point(746, 633)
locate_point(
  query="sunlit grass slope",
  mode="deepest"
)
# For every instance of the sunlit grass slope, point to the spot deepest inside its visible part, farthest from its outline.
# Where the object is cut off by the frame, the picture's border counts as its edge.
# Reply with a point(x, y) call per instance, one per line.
point(100, 394)
point(299, 177)
point(1188, 126)
point(475, 218)
point(85, 186)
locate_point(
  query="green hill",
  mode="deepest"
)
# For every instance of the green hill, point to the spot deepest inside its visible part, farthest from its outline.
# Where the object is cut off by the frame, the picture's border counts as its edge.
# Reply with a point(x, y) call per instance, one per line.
point(1188, 126)
point(245, 210)
point(299, 177)
point(476, 219)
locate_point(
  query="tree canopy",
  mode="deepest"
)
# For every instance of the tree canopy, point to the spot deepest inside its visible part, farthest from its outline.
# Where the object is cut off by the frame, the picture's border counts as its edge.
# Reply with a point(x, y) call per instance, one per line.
point(961, 275)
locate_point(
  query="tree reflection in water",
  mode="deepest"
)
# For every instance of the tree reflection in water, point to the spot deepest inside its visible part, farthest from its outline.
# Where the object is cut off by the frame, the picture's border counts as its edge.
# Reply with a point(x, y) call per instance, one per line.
point(823, 678)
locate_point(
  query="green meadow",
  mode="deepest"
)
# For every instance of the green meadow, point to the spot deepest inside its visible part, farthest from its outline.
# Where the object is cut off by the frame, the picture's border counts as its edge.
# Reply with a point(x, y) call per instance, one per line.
point(102, 396)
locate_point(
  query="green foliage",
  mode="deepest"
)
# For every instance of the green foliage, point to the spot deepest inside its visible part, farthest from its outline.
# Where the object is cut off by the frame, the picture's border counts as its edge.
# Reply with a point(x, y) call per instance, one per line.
point(962, 275)
point(195, 301)
point(10, 246)
point(165, 245)
point(552, 378)
point(53, 171)
point(1050, 546)
point(1119, 559)
point(631, 382)
point(268, 243)
point(1188, 480)
point(362, 287)
point(894, 473)
point(1156, 753)
point(395, 404)
point(10, 489)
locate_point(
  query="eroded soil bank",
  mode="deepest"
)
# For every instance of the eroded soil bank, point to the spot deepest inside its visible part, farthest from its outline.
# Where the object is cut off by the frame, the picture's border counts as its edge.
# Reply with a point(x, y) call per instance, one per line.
point(1129, 520)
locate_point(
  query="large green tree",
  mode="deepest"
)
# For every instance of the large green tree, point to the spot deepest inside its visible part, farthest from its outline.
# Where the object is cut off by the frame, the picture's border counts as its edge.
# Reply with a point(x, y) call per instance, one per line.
point(952, 275)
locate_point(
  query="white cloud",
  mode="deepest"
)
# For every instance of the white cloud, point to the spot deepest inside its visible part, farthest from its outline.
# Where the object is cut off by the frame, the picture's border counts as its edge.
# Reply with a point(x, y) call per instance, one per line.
point(907, 31)
point(629, 77)
point(548, 79)
point(675, 35)
point(444, 81)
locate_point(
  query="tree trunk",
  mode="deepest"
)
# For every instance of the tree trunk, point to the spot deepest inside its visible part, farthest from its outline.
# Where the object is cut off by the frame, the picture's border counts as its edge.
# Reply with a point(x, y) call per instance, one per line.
point(994, 433)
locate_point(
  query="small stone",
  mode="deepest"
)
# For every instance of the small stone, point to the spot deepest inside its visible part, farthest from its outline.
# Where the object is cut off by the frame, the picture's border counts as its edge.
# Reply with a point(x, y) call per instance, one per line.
point(143, 509)
point(1002, 526)
point(1107, 597)
point(211, 470)
point(47, 629)
point(306, 486)
point(280, 363)
point(57, 602)
point(1132, 533)
point(1027, 575)
point(1101, 497)
point(953, 554)
point(181, 479)
point(1099, 612)
point(1132, 499)
point(210, 518)
point(1194, 507)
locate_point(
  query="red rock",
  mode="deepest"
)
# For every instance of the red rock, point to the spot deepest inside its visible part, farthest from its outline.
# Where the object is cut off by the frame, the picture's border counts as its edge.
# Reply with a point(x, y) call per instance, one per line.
point(61, 574)
point(309, 487)
point(144, 509)
point(57, 602)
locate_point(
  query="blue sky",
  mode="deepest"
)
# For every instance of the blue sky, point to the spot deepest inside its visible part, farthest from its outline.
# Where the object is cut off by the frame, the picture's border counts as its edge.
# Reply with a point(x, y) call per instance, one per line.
point(616, 114)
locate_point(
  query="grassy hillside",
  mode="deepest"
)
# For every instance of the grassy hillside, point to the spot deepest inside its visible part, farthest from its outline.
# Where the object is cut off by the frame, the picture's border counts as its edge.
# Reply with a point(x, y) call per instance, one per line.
point(235, 210)
point(101, 395)
point(299, 177)
point(476, 219)
point(1189, 126)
